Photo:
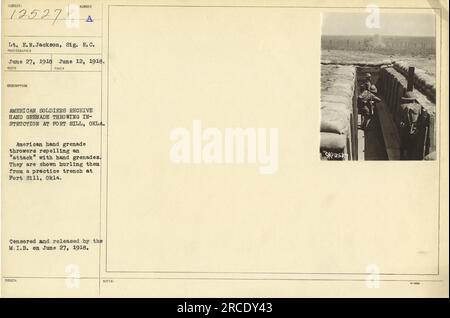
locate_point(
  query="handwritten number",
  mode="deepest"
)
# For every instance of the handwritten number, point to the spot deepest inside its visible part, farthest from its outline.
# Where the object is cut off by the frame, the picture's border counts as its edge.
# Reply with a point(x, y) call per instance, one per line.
point(56, 18)
point(46, 13)
point(24, 11)
point(33, 14)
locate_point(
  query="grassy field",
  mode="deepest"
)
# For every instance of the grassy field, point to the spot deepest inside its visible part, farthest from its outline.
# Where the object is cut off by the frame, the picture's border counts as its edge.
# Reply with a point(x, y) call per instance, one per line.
point(425, 63)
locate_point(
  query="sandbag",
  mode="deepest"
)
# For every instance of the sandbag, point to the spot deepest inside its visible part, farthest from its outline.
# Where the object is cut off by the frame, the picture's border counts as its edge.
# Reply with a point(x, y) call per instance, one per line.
point(347, 86)
point(332, 142)
point(334, 98)
point(334, 121)
point(339, 106)
point(336, 107)
point(339, 92)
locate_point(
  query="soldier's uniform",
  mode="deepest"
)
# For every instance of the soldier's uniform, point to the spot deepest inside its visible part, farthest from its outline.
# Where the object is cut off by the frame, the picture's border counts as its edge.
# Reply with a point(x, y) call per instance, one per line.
point(367, 101)
point(414, 120)
point(366, 84)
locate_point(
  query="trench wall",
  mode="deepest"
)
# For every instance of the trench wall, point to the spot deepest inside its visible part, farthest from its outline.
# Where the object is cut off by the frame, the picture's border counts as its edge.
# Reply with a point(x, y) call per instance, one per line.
point(338, 124)
point(392, 85)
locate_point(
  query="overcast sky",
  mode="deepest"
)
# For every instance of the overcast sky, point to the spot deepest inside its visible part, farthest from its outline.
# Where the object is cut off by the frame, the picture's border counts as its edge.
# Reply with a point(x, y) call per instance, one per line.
point(406, 24)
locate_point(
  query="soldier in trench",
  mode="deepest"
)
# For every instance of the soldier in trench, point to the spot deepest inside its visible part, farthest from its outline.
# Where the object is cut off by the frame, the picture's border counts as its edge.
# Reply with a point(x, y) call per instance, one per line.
point(367, 83)
point(367, 101)
point(414, 136)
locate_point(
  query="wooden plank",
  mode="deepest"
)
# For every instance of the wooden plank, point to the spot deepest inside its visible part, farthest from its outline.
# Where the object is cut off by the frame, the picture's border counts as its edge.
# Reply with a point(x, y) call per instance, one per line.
point(389, 131)
point(361, 143)
point(354, 119)
point(410, 78)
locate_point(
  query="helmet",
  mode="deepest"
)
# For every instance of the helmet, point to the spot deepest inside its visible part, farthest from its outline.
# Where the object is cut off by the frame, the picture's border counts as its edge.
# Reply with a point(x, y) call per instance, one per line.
point(373, 89)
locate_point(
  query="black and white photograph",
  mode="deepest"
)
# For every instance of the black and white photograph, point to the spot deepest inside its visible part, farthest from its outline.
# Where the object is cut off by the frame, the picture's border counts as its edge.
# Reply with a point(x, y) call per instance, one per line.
point(378, 93)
